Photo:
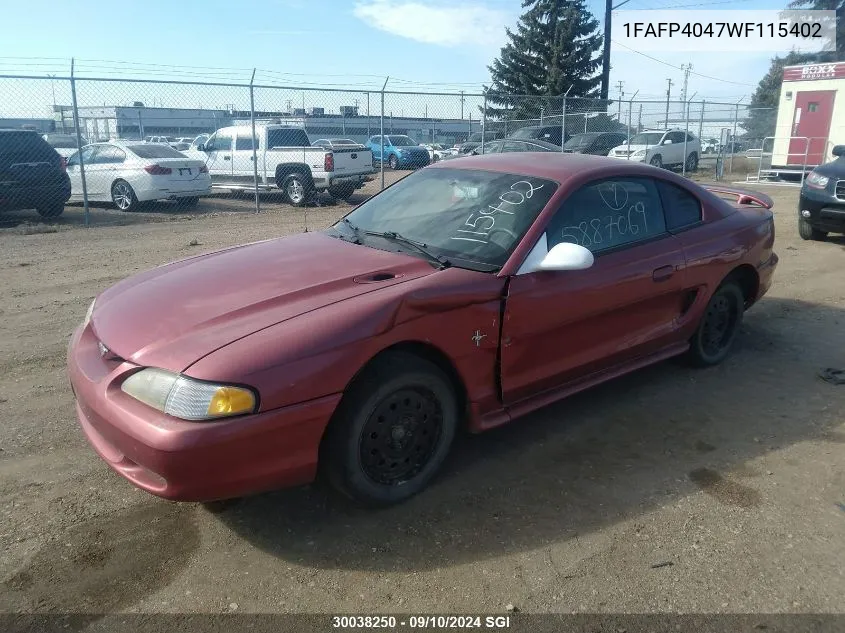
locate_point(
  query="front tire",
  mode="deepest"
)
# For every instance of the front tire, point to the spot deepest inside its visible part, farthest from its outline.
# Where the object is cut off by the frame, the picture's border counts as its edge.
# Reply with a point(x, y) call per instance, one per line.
point(297, 190)
point(123, 196)
point(719, 326)
point(656, 161)
point(394, 162)
point(808, 232)
point(392, 431)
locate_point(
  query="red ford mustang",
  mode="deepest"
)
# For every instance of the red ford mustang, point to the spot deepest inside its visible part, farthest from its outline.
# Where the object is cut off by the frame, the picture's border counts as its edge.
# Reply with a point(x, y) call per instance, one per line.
point(465, 295)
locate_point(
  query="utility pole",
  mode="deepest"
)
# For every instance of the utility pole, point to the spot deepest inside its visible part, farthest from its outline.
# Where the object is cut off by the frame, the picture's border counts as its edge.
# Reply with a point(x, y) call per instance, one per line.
point(619, 103)
point(687, 69)
point(605, 55)
point(668, 95)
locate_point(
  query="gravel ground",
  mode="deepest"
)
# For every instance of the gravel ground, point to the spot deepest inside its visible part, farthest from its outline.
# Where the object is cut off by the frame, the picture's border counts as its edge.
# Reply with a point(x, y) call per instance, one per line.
point(670, 490)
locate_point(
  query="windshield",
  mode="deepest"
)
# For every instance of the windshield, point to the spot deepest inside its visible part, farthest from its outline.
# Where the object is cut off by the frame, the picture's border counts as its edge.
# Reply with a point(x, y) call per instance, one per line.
point(343, 141)
point(580, 139)
point(474, 218)
point(646, 138)
point(401, 141)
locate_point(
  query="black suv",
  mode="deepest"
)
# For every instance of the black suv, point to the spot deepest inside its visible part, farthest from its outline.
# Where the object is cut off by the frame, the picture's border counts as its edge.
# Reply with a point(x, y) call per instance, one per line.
point(597, 143)
point(32, 174)
point(548, 133)
point(821, 205)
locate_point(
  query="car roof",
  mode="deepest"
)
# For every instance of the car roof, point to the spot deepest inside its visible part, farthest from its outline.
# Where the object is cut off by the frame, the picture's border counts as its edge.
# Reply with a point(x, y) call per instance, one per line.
point(531, 141)
point(557, 166)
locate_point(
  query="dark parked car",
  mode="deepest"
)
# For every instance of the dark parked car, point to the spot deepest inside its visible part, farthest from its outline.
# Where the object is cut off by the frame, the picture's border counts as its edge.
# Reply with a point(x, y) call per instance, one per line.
point(515, 145)
point(32, 174)
point(549, 133)
point(821, 205)
point(597, 143)
point(474, 140)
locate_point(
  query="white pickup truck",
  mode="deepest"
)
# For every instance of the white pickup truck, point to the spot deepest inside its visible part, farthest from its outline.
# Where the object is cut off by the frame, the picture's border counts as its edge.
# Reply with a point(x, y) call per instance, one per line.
point(286, 161)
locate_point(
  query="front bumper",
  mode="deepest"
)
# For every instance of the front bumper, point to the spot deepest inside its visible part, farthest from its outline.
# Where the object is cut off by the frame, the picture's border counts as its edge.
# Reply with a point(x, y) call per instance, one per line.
point(636, 159)
point(191, 461)
point(827, 213)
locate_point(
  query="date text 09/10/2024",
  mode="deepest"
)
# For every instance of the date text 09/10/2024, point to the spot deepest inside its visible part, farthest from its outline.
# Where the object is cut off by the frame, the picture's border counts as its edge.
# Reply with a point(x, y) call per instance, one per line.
point(390, 622)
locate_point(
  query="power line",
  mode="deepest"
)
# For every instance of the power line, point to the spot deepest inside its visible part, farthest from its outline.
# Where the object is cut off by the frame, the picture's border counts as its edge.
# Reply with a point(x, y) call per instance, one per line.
point(727, 81)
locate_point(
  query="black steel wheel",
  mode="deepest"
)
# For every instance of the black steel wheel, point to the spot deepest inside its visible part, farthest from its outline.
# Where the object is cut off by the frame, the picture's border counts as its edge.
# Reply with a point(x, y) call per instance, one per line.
point(808, 232)
point(719, 326)
point(392, 431)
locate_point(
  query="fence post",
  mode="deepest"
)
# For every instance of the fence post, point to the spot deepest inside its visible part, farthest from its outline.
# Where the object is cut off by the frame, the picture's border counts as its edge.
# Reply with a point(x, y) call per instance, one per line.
point(630, 107)
point(254, 140)
point(686, 133)
point(381, 138)
point(640, 120)
point(732, 141)
point(79, 142)
point(483, 120)
point(701, 121)
point(563, 118)
point(368, 114)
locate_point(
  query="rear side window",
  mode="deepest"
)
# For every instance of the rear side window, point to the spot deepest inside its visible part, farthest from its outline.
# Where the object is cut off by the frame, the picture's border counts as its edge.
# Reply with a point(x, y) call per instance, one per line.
point(154, 151)
point(282, 137)
point(682, 209)
point(608, 214)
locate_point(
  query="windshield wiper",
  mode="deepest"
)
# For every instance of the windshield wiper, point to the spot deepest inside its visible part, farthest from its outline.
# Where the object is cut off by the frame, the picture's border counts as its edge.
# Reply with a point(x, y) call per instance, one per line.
point(393, 236)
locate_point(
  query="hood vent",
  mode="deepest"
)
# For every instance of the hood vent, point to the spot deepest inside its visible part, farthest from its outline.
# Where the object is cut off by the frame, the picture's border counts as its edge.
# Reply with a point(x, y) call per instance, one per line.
point(372, 278)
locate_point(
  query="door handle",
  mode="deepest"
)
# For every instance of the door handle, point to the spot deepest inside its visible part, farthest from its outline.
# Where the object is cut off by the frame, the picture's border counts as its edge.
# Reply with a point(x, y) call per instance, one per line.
point(227, 158)
point(663, 273)
point(252, 157)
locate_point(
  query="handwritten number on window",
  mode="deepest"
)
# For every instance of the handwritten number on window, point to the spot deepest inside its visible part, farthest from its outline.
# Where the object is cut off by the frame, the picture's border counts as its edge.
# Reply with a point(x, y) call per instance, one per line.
point(593, 233)
point(518, 193)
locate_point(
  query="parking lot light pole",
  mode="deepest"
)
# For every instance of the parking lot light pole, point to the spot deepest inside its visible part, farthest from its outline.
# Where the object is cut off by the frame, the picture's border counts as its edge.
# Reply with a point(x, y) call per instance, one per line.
point(686, 133)
point(381, 137)
point(563, 118)
point(79, 143)
point(254, 139)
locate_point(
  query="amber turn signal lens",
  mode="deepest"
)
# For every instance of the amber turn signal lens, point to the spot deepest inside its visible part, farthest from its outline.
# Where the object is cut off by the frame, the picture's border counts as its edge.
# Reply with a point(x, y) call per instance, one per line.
point(231, 401)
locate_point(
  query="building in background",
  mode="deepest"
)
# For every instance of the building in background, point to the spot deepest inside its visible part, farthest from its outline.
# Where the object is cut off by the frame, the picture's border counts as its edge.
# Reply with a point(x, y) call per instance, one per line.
point(811, 116)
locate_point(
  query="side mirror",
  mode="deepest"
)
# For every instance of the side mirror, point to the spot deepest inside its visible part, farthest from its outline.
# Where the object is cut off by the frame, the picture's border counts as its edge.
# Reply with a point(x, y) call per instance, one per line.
point(838, 150)
point(567, 256)
point(667, 142)
point(201, 147)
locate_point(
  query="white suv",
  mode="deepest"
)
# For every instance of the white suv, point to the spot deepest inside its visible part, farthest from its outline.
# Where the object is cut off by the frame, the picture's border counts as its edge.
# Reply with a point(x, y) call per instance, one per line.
point(661, 148)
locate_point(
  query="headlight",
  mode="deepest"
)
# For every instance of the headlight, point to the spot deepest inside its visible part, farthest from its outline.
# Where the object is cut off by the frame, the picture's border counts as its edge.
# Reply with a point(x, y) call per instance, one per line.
point(88, 314)
point(816, 180)
point(187, 398)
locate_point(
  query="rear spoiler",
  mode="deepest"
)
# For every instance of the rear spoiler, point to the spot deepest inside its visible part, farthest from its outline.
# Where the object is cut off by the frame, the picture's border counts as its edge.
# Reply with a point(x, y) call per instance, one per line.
point(743, 196)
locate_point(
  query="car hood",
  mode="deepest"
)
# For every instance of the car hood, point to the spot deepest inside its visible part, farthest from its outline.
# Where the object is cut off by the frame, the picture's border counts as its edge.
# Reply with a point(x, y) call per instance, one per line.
point(173, 315)
point(833, 169)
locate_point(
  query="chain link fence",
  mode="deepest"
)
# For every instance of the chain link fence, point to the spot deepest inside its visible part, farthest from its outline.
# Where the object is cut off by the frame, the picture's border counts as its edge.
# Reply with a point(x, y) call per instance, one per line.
point(186, 121)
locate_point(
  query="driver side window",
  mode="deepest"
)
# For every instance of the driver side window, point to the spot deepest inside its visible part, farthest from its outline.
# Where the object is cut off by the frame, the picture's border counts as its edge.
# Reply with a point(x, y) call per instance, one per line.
point(87, 155)
point(219, 143)
point(609, 214)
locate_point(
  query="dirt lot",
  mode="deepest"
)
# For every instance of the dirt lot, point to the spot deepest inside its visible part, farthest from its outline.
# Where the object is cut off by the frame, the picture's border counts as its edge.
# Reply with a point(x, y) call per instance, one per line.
point(734, 475)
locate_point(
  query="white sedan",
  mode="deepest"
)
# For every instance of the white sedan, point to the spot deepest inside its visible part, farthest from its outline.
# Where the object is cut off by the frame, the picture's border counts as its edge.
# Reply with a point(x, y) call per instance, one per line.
point(127, 173)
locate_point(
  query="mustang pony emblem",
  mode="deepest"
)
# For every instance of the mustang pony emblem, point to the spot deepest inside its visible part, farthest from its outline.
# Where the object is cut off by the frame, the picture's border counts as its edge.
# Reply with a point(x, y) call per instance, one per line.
point(476, 338)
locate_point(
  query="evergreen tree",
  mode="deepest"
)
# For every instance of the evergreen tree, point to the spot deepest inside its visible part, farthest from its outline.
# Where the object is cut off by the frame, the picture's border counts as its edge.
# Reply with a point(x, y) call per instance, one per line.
point(827, 5)
point(554, 46)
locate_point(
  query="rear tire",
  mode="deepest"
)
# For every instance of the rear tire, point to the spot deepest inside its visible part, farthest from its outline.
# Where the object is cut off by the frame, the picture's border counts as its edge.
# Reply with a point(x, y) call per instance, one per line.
point(656, 161)
point(692, 162)
point(342, 192)
point(808, 232)
point(719, 326)
point(392, 431)
point(123, 196)
point(51, 210)
point(297, 189)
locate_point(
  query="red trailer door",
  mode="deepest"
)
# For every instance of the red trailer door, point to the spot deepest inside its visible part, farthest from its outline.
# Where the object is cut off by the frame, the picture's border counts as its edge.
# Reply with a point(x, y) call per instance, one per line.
point(813, 111)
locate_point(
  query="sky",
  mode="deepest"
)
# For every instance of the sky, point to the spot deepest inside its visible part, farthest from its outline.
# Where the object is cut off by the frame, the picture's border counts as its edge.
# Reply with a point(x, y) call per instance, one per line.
point(432, 45)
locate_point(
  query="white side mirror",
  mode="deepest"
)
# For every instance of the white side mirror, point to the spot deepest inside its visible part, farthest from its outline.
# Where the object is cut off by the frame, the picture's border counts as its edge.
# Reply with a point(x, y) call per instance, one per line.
point(566, 256)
